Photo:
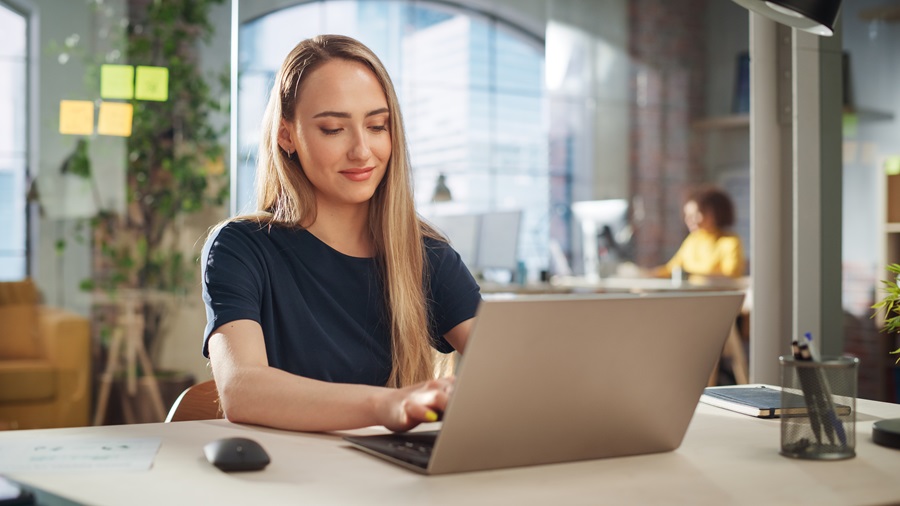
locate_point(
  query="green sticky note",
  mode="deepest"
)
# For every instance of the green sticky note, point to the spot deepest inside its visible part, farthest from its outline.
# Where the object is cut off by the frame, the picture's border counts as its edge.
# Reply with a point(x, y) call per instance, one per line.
point(117, 81)
point(892, 165)
point(152, 83)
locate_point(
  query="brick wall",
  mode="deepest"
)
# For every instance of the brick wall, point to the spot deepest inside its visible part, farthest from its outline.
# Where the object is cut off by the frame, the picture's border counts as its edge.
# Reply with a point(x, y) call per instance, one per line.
point(667, 46)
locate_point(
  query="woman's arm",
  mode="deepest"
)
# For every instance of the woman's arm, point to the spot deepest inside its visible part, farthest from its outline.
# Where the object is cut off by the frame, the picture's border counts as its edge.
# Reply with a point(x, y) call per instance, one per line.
point(459, 335)
point(253, 392)
point(732, 256)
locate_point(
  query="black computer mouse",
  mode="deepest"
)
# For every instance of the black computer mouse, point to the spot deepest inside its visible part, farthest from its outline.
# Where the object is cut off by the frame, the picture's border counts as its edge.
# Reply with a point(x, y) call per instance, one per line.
point(236, 454)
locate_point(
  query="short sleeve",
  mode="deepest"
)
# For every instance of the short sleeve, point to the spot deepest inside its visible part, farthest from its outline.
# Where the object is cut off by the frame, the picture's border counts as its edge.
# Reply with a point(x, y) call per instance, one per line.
point(232, 279)
point(455, 295)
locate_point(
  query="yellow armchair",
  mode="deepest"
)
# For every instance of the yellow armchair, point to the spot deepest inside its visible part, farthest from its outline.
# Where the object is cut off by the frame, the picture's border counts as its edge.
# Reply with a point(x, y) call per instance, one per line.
point(45, 362)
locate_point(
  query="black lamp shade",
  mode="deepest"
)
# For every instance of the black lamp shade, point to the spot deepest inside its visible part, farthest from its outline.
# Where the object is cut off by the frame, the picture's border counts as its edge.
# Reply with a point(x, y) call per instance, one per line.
point(814, 16)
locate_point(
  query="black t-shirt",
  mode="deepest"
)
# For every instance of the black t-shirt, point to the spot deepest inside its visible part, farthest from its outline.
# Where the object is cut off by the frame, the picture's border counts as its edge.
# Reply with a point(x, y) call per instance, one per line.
point(322, 313)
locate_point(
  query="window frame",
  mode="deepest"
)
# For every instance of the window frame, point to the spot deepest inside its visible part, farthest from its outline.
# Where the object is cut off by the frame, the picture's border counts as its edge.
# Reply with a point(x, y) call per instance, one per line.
point(29, 12)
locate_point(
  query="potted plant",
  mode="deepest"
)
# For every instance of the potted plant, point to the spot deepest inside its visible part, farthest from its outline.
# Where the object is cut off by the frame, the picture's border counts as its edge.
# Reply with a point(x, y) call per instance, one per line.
point(887, 432)
point(889, 305)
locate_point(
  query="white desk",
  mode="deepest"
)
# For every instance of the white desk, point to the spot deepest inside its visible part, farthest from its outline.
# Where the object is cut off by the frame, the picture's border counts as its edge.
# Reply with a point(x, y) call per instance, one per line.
point(726, 458)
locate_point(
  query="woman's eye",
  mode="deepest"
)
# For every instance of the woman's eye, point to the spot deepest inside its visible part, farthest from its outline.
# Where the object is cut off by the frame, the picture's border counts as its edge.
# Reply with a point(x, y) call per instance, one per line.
point(327, 131)
point(378, 128)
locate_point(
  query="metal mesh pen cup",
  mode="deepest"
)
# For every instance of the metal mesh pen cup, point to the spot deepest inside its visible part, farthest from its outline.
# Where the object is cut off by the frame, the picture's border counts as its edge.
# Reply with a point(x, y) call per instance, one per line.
point(818, 404)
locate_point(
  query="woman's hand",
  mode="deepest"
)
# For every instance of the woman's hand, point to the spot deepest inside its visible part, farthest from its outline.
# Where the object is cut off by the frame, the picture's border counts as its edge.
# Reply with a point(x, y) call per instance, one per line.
point(402, 409)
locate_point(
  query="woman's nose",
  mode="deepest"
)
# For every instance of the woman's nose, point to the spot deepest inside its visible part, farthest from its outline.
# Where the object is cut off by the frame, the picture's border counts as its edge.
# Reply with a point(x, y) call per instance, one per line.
point(360, 148)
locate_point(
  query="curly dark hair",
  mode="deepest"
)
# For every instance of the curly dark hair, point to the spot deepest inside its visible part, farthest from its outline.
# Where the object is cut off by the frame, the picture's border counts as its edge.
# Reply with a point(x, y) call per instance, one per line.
point(715, 202)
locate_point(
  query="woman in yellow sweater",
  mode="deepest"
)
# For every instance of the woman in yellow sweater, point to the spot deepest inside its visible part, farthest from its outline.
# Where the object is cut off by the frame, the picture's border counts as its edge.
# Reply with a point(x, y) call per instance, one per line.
point(710, 249)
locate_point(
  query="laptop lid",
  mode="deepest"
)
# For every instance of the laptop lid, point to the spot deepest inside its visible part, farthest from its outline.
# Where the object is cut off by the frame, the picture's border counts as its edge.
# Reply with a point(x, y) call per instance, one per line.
point(573, 377)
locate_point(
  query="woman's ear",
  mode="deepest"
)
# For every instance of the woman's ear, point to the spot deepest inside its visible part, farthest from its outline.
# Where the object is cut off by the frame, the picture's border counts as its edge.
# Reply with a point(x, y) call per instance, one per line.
point(285, 140)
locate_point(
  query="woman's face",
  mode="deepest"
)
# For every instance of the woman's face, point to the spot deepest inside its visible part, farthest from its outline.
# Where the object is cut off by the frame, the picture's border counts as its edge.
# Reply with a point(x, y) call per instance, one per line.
point(694, 219)
point(341, 133)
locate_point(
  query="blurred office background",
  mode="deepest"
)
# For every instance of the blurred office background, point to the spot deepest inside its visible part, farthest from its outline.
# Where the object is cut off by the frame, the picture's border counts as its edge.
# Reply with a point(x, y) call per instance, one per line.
point(519, 108)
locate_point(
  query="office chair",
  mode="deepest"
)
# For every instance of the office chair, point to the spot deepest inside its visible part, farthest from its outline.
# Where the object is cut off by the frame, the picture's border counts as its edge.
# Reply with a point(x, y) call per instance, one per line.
point(198, 402)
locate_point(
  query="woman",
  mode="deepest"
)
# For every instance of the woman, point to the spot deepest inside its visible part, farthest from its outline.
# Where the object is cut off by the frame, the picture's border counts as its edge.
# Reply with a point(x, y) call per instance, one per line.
point(325, 308)
point(710, 249)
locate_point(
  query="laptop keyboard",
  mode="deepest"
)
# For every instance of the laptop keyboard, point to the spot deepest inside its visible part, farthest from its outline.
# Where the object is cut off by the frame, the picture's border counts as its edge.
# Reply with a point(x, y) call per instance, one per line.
point(414, 448)
point(413, 452)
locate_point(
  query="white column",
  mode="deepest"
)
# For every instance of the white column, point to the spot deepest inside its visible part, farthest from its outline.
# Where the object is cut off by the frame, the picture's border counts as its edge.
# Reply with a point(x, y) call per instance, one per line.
point(807, 257)
point(817, 92)
point(770, 209)
point(796, 193)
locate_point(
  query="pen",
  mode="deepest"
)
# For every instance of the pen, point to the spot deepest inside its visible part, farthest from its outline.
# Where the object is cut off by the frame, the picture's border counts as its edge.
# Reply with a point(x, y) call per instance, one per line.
point(807, 383)
point(832, 419)
point(813, 385)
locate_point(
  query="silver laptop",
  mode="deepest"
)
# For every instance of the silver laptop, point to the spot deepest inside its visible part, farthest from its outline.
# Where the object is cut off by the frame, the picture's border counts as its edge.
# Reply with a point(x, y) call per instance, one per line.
point(549, 379)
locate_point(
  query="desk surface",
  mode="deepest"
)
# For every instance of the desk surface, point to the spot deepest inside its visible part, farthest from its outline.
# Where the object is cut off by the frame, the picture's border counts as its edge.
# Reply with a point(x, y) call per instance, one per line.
point(726, 458)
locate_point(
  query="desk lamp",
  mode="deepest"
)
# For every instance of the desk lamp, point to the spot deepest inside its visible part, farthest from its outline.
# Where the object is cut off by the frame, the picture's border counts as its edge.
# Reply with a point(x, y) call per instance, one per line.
point(814, 16)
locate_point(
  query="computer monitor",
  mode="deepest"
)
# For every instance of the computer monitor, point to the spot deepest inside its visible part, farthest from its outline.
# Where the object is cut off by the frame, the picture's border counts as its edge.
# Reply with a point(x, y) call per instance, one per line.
point(463, 232)
point(498, 243)
point(602, 224)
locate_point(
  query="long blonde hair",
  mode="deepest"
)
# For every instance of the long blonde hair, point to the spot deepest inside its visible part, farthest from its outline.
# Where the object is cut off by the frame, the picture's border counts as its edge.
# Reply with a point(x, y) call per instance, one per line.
point(285, 197)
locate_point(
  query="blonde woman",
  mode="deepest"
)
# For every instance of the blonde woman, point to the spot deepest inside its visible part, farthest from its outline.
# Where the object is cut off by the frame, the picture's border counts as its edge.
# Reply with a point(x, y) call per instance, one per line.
point(325, 307)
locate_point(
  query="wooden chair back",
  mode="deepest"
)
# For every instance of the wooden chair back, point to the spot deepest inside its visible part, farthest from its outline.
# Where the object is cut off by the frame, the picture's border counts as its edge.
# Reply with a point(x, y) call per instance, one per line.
point(198, 402)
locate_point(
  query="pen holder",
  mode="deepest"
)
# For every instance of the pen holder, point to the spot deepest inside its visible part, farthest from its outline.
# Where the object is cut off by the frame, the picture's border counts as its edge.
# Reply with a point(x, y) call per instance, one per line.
point(818, 400)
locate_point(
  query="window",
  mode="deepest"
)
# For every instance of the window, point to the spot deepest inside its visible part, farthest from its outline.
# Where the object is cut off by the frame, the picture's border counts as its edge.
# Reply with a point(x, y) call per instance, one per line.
point(13, 143)
point(471, 91)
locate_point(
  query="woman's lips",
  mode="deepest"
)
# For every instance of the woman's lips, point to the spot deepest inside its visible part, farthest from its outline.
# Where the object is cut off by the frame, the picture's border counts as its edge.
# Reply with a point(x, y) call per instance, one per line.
point(360, 174)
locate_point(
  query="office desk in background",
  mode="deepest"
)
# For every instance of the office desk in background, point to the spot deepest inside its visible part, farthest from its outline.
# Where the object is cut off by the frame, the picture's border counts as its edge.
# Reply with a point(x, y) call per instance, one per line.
point(578, 284)
point(726, 458)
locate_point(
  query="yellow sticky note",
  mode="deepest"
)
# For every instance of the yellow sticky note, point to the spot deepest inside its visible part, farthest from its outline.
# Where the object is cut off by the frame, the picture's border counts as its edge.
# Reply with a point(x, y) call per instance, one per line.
point(152, 83)
point(117, 81)
point(76, 117)
point(115, 119)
